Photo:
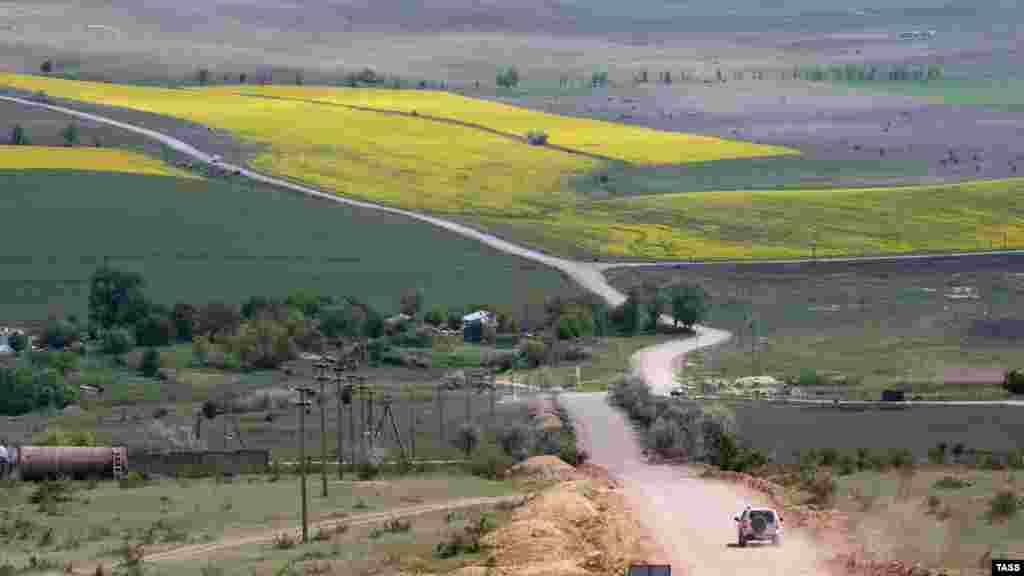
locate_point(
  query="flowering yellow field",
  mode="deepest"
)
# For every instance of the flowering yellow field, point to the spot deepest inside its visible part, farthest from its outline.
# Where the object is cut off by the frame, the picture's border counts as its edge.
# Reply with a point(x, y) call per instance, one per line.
point(90, 159)
point(777, 224)
point(400, 161)
point(634, 144)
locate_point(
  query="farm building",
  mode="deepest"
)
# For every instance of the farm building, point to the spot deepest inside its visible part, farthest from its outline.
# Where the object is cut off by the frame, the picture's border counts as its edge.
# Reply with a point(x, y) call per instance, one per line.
point(473, 325)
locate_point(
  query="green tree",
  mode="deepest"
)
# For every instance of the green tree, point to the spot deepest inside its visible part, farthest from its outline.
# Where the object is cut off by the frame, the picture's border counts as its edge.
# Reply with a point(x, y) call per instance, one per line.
point(1013, 382)
point(203, 76)
point(655, 308)
point(18, 342)
point(689, 304)
point(435, 316)
point(155, 329)
point(46, 67)
point(59, 334)
point(185, 319)
point(150, 363)
point(508, 78)
point(115, 298)
point(70, 134)
point(23, 390)
point(18, 136)
point(117, 341)
point(629, 314)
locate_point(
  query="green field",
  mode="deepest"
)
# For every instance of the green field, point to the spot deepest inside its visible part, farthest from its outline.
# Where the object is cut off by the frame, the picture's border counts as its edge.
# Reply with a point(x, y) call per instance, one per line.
point(779, 172)
point(198, 241)
point(1003, 94)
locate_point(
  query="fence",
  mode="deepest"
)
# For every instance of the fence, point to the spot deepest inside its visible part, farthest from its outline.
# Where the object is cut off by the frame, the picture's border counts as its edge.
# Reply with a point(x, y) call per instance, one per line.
point(200, 463)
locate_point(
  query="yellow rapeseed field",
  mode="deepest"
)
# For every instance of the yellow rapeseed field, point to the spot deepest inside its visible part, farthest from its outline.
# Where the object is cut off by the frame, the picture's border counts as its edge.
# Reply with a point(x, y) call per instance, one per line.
point(634, 144)
point(90, 159)
point(400, 161)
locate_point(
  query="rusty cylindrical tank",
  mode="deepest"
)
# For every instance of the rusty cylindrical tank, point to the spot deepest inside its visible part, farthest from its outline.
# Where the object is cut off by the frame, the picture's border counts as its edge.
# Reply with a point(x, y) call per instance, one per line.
point(41, 462)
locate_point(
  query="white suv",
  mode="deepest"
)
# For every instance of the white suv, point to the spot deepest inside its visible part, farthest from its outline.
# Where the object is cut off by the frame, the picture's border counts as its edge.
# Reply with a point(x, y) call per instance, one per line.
point(762, 524)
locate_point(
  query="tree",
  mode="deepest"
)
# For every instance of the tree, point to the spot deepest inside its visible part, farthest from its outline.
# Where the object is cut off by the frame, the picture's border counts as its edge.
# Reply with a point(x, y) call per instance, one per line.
point(18, 342)
point(308, 301)
point(185, 320)
point(150, 363)
point(155, 329)
point(46, 67)
point(203, 76)
point(59, 334)
point(689, 304)
point(70, 134)
point(411, 302)
point(342, 320)
point(628, 314)
point(219, 318)
point(23, 390)
point(298, 79)
point(435, 316)
point(242, 78)
point(1013, 382)
point(115, 298)
point(117, 341)
point(655, 307)
point(508, 78)
point(18, 136)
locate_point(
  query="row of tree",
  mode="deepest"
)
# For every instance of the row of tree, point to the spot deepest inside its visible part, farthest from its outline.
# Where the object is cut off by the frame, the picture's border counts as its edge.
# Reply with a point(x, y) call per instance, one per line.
point(70, 134)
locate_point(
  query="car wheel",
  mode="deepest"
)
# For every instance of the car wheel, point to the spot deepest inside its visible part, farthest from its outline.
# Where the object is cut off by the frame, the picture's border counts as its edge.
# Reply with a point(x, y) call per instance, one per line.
point(776, 540)
point(742, 541)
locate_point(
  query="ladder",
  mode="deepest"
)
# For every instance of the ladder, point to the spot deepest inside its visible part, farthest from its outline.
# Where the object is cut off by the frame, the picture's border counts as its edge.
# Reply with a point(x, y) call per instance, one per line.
point(118, 465)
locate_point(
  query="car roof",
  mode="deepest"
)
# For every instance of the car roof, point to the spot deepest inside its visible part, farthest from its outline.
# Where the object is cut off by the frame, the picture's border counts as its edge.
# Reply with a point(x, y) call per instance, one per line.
point(761, 510)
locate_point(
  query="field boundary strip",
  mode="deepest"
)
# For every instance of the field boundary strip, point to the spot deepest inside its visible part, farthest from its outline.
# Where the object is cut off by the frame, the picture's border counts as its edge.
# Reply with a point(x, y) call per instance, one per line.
point(198, 550)
point(432, 118)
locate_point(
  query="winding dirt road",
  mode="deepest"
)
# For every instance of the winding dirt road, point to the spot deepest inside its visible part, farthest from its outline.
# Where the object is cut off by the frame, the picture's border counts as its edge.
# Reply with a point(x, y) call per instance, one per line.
point(691, 516)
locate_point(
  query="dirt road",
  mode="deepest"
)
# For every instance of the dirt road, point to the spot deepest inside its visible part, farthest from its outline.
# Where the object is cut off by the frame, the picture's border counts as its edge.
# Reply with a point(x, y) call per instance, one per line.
point(691, 517)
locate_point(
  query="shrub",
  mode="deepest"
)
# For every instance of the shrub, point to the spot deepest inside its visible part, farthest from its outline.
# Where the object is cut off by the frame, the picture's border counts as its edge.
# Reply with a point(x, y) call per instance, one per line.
point(155, 330)
point(570, 452)
point(61, 437)
point(59, 334)
point(937, 455)
point(958, 450)
point(846, 465)
point(134, 479)
point(150, 363)
point(1013, 382)
point(951, 483)
point(822, 488)
point(534, 351)
point(934, 503)
point(537, 137)
point(435, 316)
point(828, 457)
point(117, 341)
point(515, 440)
point(467, 437)
point(367, 470)
point(1003, 505)
point(284, 541)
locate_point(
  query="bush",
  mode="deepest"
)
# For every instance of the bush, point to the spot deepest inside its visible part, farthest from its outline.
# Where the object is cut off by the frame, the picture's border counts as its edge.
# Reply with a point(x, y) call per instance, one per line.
point(570, 452)
point(18, 342)
point(822, 488)
point(506, 340)
point(537, 137)
point(535, 352)
point(150, 366)
point(23, 390)
point(900, 458)
point(61, 437)
point(467, 437)
point(515, 440)
point(155, 330)
point(508, 78)
point(117, 341)
point(134, 479)
point(435, 316)
point(1013, 382)
point(59, 334)
point(846, 465)
point(263, 343)
point(951, 483)
point(828, 457)
point(937, 455)
point(367, 470)
point(490, 462)
point(1003, 505)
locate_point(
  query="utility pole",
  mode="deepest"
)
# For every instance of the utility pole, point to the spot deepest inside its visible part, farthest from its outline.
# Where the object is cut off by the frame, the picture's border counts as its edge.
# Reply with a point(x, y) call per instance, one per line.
point(322, 378)
point(341, 445)
point(303, 407)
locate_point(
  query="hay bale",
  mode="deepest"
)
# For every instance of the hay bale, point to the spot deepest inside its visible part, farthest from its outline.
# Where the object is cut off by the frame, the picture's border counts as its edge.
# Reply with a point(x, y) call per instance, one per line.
point(543, 468)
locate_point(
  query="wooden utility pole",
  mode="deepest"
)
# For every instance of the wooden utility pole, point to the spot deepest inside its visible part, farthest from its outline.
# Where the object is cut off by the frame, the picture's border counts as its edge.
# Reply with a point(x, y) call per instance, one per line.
point(341, 453)
point(412, 424)
point(303, 406)
point(322, 378)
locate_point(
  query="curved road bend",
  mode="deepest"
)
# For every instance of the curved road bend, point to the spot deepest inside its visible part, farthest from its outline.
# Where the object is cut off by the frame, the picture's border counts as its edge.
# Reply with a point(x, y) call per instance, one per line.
point(692, 517)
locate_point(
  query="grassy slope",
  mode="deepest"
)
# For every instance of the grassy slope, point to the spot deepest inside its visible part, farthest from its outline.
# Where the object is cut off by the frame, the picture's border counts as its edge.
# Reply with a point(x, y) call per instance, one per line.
point(84, 159)
point(1004, 94)
point(199, 241)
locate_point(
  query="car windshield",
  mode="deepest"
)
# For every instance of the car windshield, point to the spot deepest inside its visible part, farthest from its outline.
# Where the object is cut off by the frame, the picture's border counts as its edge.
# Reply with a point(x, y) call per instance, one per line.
point(767, 515)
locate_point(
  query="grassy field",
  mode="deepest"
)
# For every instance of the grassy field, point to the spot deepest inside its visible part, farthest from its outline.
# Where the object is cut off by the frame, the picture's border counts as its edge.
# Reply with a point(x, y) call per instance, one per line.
point(893, 517)
point(880, 324)
point(1001, 94)
point(198, 241)
point(615, 180)
point(84, 159)
point(168, 513)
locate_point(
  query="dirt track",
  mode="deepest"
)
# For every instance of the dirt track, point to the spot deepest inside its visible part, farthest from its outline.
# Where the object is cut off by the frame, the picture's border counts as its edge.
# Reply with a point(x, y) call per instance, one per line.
point(691, 517)
point(201, 550)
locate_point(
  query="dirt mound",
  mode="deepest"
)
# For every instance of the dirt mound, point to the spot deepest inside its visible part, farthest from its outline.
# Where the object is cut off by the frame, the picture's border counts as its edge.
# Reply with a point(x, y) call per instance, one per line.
point(544, 468)
point(576, 528)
